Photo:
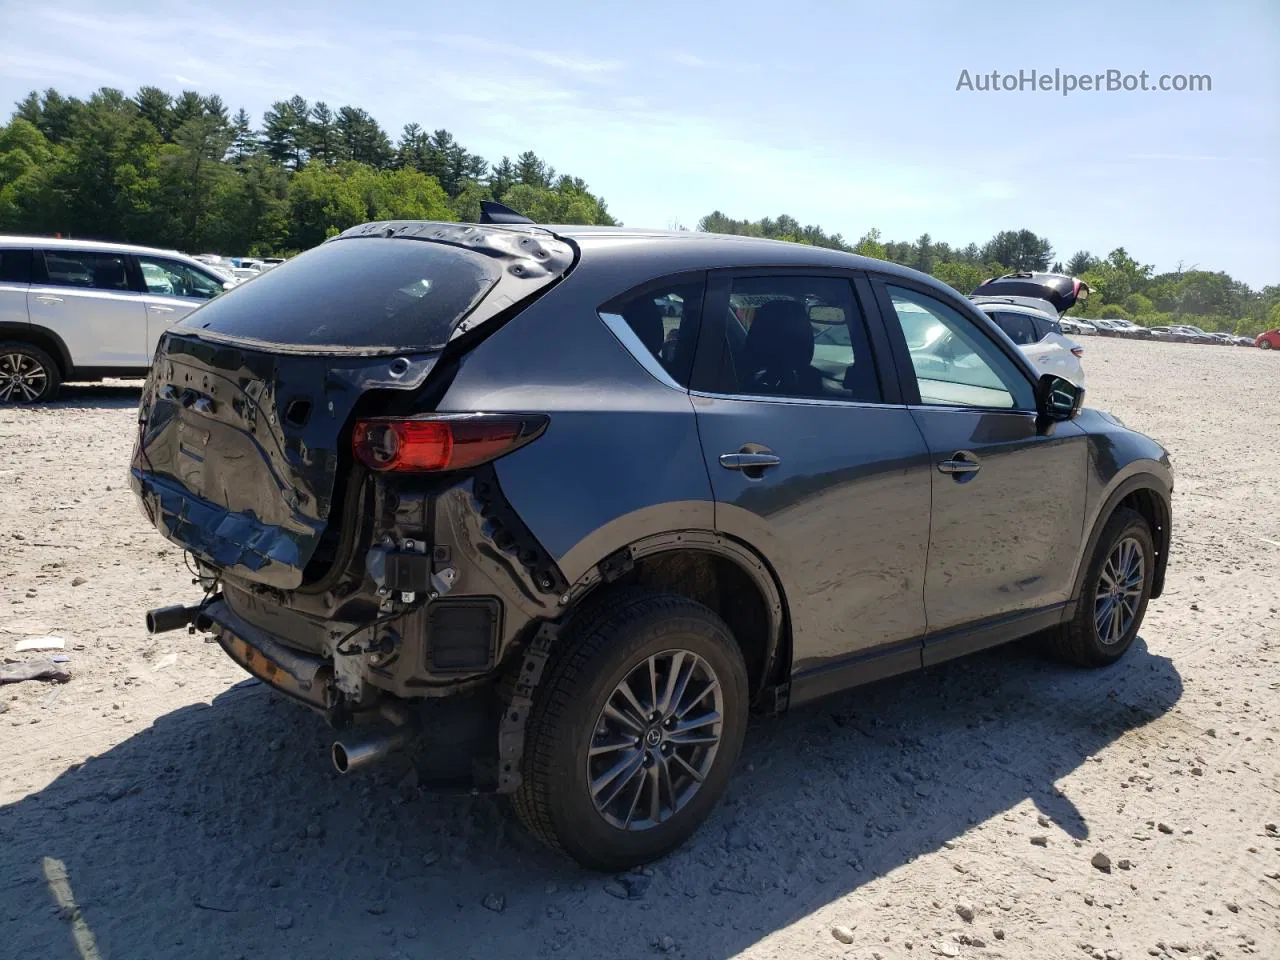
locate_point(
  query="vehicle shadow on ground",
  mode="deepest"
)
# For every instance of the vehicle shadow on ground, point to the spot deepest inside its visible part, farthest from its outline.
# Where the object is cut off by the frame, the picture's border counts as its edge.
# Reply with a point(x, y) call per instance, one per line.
point(98, 396)
point(222, 831)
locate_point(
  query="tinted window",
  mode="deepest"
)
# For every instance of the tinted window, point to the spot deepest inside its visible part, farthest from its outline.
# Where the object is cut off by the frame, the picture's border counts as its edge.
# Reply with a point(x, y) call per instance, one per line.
point(98, 271)
point(176, 279)
point(1044, 326)
point(955, 363)
point(370, 293)
point(797, 337)
point(1018, 326)
point(665, 318)
point(15, 266)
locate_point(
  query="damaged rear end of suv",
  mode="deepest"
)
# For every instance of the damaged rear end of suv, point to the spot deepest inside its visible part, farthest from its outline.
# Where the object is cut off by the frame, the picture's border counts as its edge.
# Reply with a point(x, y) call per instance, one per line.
point(353, 543)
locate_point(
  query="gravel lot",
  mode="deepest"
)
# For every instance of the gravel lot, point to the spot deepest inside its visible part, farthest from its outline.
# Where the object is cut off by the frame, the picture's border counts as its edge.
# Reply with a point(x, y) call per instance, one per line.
point(175, 809)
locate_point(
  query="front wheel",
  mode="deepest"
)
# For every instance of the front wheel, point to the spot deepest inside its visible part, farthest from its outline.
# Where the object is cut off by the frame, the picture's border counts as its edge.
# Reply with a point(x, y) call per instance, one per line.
point(27, 374)
point(1114, 598)
point(635, 730)
point(1265, 344)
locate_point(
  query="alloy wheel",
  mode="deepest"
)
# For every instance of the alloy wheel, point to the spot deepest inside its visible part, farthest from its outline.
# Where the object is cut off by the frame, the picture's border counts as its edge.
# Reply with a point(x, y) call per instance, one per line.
point(655, 740)
point(1119, 593)
point(21, 377)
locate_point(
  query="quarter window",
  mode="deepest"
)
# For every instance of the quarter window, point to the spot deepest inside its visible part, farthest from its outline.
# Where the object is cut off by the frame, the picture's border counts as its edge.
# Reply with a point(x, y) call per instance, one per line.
point(175, 279)
point(95, 271)
point(797, 337)
point(955, 364)
point(665, 318)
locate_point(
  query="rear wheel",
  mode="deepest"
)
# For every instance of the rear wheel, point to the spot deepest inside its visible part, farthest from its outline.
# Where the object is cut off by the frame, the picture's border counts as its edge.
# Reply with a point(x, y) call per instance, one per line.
point(635, 730)
point(1113, 601)
point(27, 374)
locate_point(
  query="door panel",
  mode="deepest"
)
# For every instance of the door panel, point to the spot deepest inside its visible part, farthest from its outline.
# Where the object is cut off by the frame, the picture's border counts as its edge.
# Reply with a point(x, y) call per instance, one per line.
point(173, 290)
point(1008, 488)
point(811, 466)
point(1004, 538)
point(86, 298)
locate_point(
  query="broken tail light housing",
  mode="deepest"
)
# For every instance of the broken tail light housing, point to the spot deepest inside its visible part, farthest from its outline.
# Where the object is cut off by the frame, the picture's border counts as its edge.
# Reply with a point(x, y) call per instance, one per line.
point(431, 444)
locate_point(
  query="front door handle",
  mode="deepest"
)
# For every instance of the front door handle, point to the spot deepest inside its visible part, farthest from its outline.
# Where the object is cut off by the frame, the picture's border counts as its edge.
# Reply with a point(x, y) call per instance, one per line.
point(156, 308)
point(748, 461)
point(961, 466)
point(48, 298)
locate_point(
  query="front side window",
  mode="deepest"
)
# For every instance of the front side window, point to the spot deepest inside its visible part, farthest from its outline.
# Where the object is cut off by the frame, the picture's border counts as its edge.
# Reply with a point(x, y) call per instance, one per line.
point(797, 337)
point(172, 278)
point(664, 317)
point(955, 364)
point(95, 271)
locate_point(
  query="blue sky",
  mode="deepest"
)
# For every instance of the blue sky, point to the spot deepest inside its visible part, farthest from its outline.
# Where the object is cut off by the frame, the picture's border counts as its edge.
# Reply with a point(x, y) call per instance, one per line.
point(843, 114)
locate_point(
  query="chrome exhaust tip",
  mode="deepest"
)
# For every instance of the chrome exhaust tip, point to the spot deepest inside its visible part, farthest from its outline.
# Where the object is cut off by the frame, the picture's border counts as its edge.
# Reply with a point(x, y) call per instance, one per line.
point(359, 751)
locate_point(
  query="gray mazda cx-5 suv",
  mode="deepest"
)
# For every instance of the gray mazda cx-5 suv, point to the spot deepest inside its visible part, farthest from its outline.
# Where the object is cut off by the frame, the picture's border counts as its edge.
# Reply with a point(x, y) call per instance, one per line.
point(579, 499)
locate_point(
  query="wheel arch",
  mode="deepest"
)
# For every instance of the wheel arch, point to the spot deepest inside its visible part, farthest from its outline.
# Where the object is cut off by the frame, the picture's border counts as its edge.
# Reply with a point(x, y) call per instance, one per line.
point(721, 572)
point(45, 339)
point(1149, 495)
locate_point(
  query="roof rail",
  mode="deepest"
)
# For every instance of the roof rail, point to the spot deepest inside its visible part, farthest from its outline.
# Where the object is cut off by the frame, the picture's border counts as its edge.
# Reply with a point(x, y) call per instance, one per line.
point(493, 212)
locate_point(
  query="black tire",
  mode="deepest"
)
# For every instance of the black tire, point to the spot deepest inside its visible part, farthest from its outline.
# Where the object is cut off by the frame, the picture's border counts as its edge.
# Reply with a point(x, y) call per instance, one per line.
point(598, 650)
point(1265, 344)
point(34, 367)
point(1080, 642)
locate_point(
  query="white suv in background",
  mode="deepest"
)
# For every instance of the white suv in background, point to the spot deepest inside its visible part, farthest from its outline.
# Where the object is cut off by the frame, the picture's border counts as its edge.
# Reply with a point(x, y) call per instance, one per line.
point(1039, 336)
point(81, 310)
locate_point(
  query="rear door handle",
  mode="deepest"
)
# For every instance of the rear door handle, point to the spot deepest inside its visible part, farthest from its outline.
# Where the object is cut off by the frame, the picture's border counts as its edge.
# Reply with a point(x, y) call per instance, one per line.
point(961, 465)
point(48, 298)
point(155, 308)
point(748, 461)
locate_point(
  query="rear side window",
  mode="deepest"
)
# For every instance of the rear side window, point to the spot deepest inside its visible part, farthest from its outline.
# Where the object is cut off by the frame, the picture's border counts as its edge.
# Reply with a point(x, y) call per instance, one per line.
point(1020, 328)
point(94, 271)
point(15, 266)
point(369, 293)
point(665, 317)
point(789, 336)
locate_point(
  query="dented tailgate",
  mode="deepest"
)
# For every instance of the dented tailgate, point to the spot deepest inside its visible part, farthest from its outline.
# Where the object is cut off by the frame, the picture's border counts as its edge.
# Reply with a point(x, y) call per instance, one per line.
point(238, 451)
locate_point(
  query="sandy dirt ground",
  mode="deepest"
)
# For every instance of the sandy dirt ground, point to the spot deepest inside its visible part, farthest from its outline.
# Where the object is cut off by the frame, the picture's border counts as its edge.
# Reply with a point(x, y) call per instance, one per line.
point(162, 805)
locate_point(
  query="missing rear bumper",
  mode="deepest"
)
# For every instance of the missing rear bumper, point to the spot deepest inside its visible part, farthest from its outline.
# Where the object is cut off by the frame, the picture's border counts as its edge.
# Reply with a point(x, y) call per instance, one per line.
point(297, 675)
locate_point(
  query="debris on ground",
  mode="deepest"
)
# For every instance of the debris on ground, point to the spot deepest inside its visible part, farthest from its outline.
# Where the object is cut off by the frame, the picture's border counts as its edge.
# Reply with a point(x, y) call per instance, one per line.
point(41, 668)
point(39, 643)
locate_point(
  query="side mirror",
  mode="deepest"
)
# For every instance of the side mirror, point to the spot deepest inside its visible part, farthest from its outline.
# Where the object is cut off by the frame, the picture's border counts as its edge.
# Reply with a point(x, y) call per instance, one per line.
point(1058, 398)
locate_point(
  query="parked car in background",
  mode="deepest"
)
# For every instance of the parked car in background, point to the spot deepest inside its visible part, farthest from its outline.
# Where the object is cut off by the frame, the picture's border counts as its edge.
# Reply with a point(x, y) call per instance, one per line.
point(1035, 303)
point(80, 310)
point(1127, 328)
point(1039, 335)
point(1192, 334)
point(1226, 339)
point(1269, 339)
point(1169, 335)
point(1062, 291)
point(1077, 326)
point(516, 505)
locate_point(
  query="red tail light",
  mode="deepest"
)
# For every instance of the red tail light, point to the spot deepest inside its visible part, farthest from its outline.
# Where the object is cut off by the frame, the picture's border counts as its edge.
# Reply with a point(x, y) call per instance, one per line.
point(425, 444)
point(1078, 351)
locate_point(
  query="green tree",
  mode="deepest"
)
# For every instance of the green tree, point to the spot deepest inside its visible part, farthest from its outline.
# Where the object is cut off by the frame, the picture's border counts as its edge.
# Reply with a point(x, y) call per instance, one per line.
point(1081, 262)
point(324, 141)
point(1020, 249)
point(285, 132)
point(362, 139)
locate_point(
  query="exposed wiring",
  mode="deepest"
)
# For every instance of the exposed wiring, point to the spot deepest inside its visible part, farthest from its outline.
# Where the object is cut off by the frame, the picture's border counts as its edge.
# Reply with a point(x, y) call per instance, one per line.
point(373, 624)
